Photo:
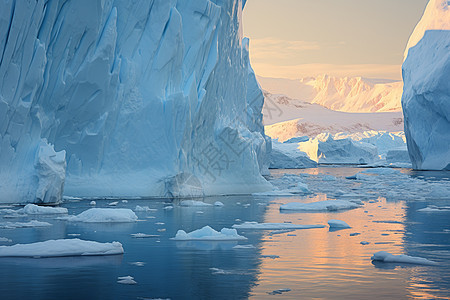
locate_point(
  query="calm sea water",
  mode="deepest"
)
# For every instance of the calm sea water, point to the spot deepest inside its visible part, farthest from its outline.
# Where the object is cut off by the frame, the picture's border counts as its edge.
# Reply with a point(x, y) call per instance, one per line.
point(313, 263)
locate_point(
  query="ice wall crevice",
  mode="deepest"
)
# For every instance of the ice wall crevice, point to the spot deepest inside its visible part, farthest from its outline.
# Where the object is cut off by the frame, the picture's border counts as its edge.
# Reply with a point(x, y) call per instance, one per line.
point(136, 95)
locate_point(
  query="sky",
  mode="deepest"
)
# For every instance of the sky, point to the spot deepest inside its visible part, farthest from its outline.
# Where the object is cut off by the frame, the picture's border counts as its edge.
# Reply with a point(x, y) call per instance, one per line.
point(301, 38)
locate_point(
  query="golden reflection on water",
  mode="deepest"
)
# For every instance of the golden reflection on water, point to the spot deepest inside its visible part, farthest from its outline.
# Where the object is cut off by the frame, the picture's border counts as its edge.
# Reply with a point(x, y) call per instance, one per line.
point(317, 263)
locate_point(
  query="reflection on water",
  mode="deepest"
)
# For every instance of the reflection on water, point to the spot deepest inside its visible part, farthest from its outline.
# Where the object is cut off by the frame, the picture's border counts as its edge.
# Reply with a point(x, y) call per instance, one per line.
point(296, 264)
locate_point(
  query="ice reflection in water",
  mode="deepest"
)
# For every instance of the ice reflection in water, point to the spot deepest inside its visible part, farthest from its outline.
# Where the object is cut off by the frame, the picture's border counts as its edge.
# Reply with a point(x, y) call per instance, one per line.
point(299, 264)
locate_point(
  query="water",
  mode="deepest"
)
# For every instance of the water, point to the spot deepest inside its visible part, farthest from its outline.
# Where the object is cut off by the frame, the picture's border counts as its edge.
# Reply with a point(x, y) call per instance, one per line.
point(313, 263)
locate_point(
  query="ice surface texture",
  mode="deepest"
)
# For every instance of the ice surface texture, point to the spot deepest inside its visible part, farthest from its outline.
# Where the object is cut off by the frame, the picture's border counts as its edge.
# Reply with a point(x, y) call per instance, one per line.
point(426, 95)
point(139, 98)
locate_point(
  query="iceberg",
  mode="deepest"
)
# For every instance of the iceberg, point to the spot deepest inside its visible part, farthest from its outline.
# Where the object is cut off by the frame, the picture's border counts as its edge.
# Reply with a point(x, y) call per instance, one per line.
point(338, 224)
point(287, 156)
point(108, 98)
point(59, 248)
point(31, 209)
point(426, 94)
point(326, 149)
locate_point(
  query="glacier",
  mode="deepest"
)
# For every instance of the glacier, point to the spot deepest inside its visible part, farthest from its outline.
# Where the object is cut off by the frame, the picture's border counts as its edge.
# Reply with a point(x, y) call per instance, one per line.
point(105, 98)
point(426, 94)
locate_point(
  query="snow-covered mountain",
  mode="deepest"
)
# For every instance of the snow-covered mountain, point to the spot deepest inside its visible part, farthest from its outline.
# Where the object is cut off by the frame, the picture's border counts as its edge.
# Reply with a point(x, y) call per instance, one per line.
point(426, 97)
point(348, 94)
point(285, 118)
point(141, 98)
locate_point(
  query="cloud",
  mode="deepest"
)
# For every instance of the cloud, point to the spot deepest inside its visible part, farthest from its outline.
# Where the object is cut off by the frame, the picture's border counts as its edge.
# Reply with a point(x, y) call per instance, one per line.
point(264, 48)
point(306, 70)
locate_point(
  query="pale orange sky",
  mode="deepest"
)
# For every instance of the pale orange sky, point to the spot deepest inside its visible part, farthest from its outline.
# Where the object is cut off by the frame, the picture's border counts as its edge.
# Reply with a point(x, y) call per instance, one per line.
point(300, 38)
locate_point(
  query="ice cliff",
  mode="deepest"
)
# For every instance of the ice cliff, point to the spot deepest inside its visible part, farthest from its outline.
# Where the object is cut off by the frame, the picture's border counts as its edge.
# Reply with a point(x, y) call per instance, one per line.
point(139, 98)
point(426, 94)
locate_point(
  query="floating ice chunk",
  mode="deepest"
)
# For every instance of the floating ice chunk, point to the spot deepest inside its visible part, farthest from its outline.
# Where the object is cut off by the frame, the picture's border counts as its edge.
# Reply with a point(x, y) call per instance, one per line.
point(279, 291)
point(326, 205)
point(433, 208)
point(364, 243)
point(208, 234)
point(381, 171)
point(244, 247)
point(218, 203)
point(217, 271)
point(113, 203)
point(168, 207)
point(194, 203)
point(62, 247)
point(124, 201)
point(138, 263)
point(338, 224)
point(273, 226)
point(281, 231)
point(32, 223)
point(105, 215)
point(355, 233)
point(274, 193)
point(144, 209)
point(329, 178)
point(32, 209)
point(144, 235)
point(390, 258)
point(3, 240)
point(73, 234)
point(126, 280)
point(270, 256)
point(93, 203)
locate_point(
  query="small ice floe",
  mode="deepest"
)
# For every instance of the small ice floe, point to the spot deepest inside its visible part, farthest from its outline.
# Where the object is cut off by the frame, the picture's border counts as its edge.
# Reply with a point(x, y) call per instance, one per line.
point(273, 226)
point(126, 280)
point(30, 224)
point(274, 193)
point(104, 215)
point(71, 199)
point(387, 222)
point(113, 203)
point(244, 247)
point(137, 263)
point(338, 224)
point(161, 229)
point(270, 256)
point(32, 209)
point(327, 205)
point(73, 234)
point(217, 271)
point(279, 291)
point(387, 257)
point(218, 204)
point(208, 234)
point(144, 235)
point(199, 212)
point(62, 247)
point(281, 231)
point(168, 207)
point(434, 208)
point(329, 178)
point(364, 243)
point(159, 223)
point(355, 234)
point(189, 203)
point(124, 201)
point(143, 209)
point(5, 240)
point(92, 203)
